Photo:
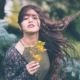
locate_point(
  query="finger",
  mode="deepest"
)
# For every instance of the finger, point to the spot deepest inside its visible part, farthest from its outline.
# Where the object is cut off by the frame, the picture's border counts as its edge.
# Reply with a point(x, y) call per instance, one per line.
point(29, 68)
point(32, 62)
point(32, 72)
point(33, 65)
point(34, 68)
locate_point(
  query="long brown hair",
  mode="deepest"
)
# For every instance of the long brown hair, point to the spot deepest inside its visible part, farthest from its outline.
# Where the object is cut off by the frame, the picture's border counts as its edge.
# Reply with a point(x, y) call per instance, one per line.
point(51, 33)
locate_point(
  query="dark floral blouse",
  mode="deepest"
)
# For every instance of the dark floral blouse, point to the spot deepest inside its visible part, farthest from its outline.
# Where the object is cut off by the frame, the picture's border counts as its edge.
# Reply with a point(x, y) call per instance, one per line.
point(15, 66)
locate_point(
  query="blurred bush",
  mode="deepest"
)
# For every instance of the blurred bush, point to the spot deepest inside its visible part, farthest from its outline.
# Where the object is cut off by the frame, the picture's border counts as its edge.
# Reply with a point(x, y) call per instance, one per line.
point(6, 40)
point(13, 18)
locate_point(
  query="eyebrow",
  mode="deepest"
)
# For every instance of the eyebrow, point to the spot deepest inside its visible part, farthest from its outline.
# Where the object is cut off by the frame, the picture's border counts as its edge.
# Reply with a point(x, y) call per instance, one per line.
point(31, 15)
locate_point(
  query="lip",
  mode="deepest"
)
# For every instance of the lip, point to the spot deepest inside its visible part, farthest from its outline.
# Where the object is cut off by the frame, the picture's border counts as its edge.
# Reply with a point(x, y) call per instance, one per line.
point(31, 25)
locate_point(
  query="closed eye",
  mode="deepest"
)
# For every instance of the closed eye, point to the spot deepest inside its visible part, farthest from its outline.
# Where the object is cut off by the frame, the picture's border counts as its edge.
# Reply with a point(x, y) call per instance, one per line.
point(35, 17)
point(25, 18)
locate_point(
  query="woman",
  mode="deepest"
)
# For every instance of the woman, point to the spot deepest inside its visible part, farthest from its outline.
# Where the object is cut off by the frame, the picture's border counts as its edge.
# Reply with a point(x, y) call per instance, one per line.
point(37, 28)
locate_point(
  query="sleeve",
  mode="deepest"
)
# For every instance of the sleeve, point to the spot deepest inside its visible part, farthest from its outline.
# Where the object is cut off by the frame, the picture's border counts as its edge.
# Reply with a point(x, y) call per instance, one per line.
point(10, 70)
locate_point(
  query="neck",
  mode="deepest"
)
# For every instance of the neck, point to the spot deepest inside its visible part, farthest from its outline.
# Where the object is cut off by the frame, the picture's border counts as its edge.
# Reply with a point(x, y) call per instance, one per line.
point(29, 39)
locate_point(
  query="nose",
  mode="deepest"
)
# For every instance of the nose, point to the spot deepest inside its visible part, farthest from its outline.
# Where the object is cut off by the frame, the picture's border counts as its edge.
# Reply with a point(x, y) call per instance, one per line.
point(30, 19)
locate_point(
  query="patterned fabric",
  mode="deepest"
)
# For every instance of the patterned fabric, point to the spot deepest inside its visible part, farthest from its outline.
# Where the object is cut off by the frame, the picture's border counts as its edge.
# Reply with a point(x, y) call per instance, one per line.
point(15, 66)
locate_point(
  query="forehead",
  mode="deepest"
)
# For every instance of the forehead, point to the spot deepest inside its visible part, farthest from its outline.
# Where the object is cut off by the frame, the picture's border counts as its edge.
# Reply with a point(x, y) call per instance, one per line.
point(31, 13)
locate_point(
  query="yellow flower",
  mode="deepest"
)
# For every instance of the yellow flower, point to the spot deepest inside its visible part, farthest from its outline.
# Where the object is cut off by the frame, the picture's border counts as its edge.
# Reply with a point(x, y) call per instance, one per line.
point(40, 48)
point(37, 57)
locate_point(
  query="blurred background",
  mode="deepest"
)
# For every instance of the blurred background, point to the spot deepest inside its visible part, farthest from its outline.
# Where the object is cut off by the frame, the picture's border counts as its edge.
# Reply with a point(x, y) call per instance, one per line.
point(55, 9)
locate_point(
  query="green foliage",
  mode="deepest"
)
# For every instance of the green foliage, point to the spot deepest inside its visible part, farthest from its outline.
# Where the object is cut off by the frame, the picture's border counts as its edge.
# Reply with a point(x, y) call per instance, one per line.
point(77, 28)
point(6, 39)
point(13, 19)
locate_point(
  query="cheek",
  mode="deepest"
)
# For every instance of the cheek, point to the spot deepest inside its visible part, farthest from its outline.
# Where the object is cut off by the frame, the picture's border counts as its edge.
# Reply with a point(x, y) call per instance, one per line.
point(23, 26)
point(24, 23)
point(38, 23)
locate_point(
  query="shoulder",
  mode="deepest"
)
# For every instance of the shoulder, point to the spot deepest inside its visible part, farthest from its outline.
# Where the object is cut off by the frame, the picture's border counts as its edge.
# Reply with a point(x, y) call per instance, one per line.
point(11, 52)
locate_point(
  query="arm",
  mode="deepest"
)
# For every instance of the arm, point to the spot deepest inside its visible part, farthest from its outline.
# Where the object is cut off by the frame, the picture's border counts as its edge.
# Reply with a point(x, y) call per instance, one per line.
point(12, 68)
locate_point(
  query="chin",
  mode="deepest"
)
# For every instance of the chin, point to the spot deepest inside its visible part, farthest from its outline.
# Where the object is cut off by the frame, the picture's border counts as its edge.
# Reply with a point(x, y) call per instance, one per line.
point(33, 32)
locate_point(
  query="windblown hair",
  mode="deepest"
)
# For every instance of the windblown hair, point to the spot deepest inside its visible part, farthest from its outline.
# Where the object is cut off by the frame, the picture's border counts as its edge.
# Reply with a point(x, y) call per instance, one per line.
point(51, 33)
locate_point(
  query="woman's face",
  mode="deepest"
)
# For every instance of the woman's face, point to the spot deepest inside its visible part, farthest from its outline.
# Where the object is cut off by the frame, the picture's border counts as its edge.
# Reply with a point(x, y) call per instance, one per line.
point(31, 22)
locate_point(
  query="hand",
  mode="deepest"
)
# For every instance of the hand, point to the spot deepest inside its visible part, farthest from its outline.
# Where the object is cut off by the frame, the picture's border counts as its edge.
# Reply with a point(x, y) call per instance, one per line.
point(32, 67)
